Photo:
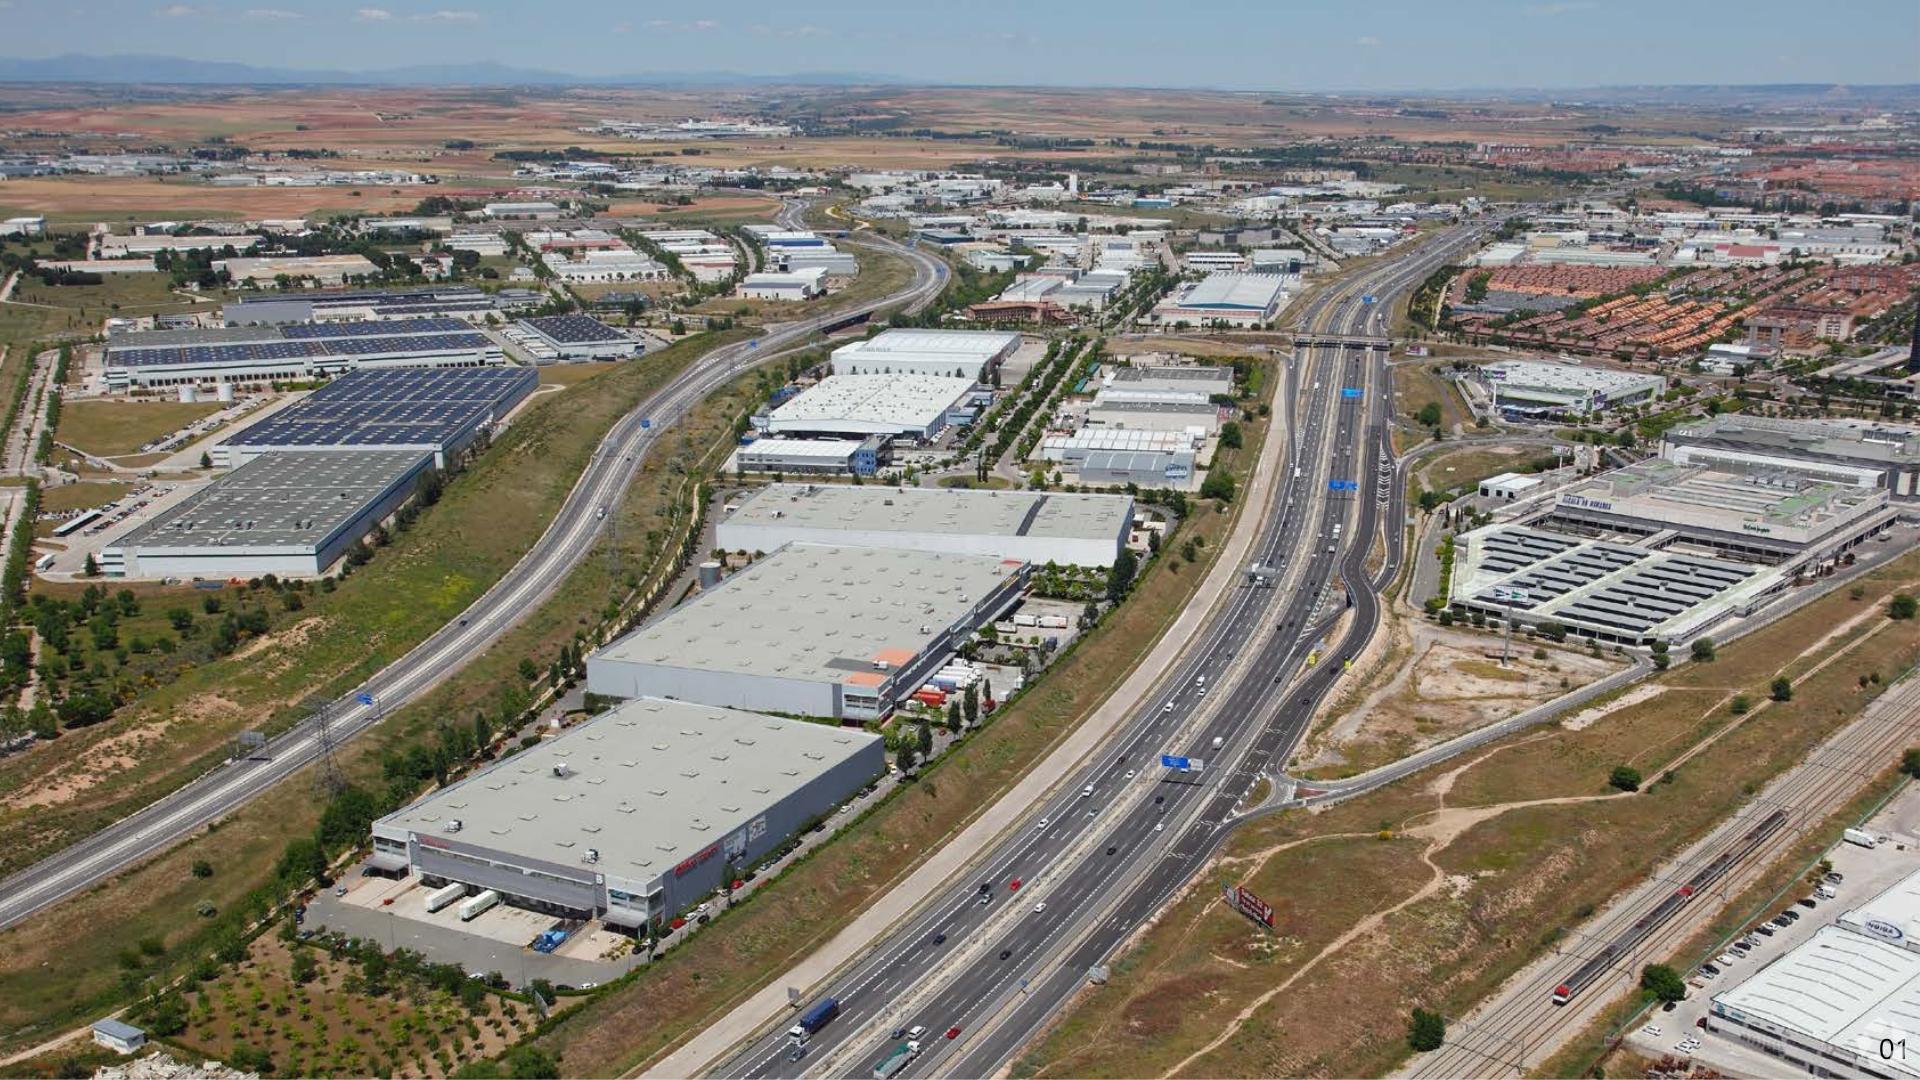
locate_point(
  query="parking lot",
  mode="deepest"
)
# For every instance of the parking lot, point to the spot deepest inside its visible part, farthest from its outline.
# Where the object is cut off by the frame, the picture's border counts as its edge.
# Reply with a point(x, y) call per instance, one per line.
point(1864, 873)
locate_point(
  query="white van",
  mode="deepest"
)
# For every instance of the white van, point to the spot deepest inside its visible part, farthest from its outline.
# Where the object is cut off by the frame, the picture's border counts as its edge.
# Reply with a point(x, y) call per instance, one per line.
point(1087, 792)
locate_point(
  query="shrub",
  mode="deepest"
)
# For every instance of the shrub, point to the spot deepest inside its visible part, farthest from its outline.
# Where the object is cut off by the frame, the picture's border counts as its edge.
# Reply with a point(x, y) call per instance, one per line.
point(1783, 689)
point(1625, 777)
point(1664, 983)
point(1426, 1030)
point(1902, 606)
point(1703, 652)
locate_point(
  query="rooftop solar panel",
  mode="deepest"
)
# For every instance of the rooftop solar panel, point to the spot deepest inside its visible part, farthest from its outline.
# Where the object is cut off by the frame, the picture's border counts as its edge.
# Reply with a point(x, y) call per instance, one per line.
point(401, 407)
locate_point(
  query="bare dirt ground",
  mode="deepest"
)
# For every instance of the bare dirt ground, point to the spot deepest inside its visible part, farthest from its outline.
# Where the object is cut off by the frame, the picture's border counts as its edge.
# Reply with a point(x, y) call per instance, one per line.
point(1435, 683)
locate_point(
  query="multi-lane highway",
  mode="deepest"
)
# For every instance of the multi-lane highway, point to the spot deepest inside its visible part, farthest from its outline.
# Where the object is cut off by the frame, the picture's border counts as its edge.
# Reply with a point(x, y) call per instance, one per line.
point(997, 952)
point(570, 538)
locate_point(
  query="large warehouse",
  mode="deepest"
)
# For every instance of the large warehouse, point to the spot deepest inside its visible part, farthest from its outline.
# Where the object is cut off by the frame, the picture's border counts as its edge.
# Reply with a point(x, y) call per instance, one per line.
point(1658, 552)
point(1529, 389)
point(964, 354)
point(290, 352)
point(909, 406)
point(1108, 412)
point(1032, 526)
point(1826, 1005)
point(292, 515)
point(813, 630)
point(439, 412)
point(1232, 299)
point(363, 305)
point(1158, 378)
point(1853, 452)
point(581, 337)
point(814, 457)
point(633, 816)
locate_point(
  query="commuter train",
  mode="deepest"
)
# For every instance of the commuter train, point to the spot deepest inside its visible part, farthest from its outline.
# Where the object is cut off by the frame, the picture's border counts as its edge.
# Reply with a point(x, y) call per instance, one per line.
point(1622, 946)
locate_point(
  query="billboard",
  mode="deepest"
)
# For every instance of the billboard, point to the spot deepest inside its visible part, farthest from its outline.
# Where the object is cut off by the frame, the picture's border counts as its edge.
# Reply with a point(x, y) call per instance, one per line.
point(1242, 899)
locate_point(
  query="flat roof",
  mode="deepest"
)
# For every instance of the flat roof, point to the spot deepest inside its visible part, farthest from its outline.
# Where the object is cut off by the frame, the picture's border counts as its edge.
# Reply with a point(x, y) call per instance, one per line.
point(292, 341)
point(955, 343)
point(936, 510)
point(1838, 987)
point(1896, 909)
point(818, 612)
point(647, 783)
point(1573, 377)
point(1249, 292)
point(904, 400)
point(277, 500)
point(1864, 440)
point(572, 329)
point(823, 449)
point(1765, 502)
point(1135, 373)
point(400, 407)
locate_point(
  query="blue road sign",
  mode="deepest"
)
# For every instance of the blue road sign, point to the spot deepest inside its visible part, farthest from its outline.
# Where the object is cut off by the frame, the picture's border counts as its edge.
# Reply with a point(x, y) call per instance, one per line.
point(644, 424)
point(364, 699)
point(1368, 300)
point(1343, 485)
point(1172, 762)
point(1349, 391)
point(753, 344)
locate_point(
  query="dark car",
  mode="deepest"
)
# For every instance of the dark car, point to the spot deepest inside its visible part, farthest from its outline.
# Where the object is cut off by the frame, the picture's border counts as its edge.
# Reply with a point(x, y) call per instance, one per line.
point(898, 1033)
point(1004, 953)
point(1158, 799)
point(1111, 850)
point(1710, 969)
point(939, 939)
point(1808, 902)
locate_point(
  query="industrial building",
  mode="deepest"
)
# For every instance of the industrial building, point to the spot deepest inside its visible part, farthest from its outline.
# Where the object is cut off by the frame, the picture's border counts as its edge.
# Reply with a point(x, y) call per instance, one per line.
point(1508, 486)
point(908, 406)
point(794, 285)
point(298, 351)
point(580, 337)
point(593, 266)
point(634, 816)
point(1205, 381)
point(288, 514)
point(1659, 552)
point(969, 354)
point(1531, 390)
point(1870, 453)
point(1145, 468)
point(1243, 300)
point(366, 305)
point(436, 412)
point(813, 630)
point(1184, 415)
point(325, 269)
point(814, 457)
point(1826, 1006)
point(1032, 526)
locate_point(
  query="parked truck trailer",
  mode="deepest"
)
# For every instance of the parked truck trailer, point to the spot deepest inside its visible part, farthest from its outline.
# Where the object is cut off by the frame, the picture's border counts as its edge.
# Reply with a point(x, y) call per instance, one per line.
point(441, 897)
point(477, 906)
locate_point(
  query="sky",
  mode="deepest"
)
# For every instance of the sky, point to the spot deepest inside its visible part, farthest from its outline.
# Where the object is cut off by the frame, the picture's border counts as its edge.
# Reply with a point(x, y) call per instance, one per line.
point(1306, 45)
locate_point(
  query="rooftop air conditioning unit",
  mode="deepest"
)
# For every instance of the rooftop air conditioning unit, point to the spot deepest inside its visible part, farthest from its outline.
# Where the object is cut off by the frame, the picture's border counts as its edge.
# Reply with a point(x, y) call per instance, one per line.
point(560, 769)
point(453, 825)
point(593, 854)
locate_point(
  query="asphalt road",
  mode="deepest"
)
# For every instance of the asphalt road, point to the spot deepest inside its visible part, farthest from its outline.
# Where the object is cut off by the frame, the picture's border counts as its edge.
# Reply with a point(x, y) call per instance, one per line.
point(995, 959)
point(568, 540)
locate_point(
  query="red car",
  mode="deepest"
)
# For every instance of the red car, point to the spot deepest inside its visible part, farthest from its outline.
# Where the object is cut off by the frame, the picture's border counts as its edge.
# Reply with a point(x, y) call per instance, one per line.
point(953, 1032)
point(1014, 885)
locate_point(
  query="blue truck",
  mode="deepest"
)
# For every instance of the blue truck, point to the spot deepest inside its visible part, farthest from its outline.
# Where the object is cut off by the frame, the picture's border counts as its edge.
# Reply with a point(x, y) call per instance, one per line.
point(813, 1020)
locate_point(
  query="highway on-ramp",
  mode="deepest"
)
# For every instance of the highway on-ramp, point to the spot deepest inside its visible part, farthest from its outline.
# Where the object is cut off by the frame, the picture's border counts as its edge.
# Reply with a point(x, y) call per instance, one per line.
point(569, 539)
point(1103, 852)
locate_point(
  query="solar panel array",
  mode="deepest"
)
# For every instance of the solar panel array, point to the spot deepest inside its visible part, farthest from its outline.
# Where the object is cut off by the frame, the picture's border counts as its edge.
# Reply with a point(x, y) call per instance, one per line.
point(311, 341)
point(574, 329)
point(401, 407)
point(1658, 591)
point(1566, 572)
point(1512, 549)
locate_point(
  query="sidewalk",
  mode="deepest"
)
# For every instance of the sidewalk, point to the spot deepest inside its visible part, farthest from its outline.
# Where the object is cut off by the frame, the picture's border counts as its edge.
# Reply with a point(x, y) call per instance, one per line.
point(770, 1002)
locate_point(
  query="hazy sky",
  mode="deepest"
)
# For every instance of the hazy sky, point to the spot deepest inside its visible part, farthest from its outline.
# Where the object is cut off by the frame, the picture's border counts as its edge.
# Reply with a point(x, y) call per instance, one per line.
point(1235, 44)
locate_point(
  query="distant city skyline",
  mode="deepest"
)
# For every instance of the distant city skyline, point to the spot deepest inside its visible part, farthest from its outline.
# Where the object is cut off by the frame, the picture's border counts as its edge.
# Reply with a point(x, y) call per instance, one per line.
point(1397, 45)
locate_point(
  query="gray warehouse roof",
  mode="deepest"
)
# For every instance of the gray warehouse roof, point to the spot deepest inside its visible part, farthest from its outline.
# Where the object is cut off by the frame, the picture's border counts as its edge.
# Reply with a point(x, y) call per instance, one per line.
point(818, 612)
point(289, 500)
point(647, 784)
point(943, 510)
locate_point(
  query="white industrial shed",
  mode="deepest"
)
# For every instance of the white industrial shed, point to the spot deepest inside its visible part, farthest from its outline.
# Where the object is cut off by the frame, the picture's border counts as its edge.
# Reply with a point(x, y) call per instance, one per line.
point(913, 406)
point(1032, 526)
point(813, 630)
point(961, 353)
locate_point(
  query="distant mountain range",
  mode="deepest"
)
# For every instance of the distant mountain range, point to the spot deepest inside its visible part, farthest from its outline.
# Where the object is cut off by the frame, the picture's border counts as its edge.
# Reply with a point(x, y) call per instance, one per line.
point(177, 71)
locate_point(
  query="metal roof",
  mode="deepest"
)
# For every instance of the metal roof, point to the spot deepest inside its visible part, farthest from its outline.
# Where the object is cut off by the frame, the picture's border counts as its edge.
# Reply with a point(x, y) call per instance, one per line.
point(1839, 987)
point(407, 407)
point(277, 500)
point(902, 401)
point(647, 785)
point(1250, 292)
point(936, 510)
point(817, 612)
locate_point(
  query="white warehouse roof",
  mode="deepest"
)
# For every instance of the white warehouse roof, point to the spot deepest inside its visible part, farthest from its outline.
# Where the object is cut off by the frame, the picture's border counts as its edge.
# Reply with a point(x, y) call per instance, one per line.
point(911, 404)
point(1033, 526)
point(1843, 989)
point(926, 351)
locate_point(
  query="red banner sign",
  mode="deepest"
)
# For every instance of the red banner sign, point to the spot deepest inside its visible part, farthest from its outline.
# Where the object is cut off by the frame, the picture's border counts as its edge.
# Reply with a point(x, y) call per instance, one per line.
point(1243, 901)
point(702, 856)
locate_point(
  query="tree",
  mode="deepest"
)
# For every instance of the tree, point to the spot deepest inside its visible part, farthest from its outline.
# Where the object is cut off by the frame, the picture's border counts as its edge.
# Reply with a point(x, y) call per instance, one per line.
point(1783, 689)
point(1429, 414)
point(972, 705)
point(1903, 606)
point(92, 568)
point(206, 462)
point(1625, 777)
point(1910, 762)
point(202, 868)
point(1427, 1030)
point(1664, 983)
point(923, 741)
point(1230, 436)
point(1703, 652)
point(1218, 485)
point(529, 671)
point(1120, 576)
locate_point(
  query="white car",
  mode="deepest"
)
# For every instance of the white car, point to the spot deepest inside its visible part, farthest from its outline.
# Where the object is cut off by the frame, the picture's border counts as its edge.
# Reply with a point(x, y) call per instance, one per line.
point(1129, 774)
point(1654, 1032)
point(1159, 826)
point(1039, 907)
point(1042, 825)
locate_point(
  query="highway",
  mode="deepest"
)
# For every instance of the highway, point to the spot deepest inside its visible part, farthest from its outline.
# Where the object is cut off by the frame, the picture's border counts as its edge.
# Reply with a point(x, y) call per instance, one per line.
point(996, 960)
point(569, 539)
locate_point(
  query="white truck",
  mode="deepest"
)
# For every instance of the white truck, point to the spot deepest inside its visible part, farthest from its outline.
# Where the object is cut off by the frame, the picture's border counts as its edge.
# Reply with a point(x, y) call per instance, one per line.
point(478, 906)
point(441, 897)
point(1859, 836)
